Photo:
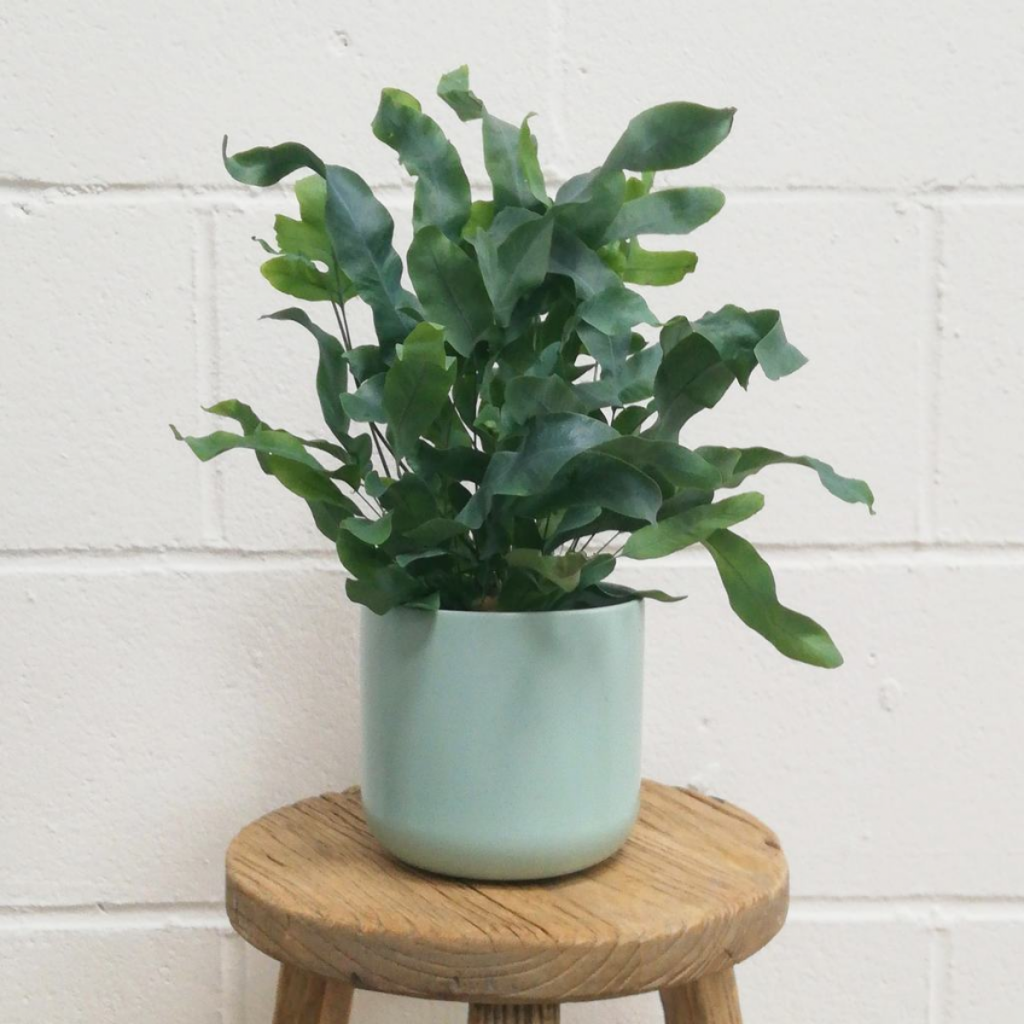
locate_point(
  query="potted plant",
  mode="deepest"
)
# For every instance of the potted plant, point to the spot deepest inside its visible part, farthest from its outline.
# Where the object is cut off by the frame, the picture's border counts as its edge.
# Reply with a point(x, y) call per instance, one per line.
point(510, 433)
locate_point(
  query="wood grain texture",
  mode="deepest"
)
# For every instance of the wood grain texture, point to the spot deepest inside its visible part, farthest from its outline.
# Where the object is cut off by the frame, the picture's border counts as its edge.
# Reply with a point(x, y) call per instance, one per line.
point(300, 996)
point(507, 1013)
point(305, 998)
point(699, 886)
point(712, 999)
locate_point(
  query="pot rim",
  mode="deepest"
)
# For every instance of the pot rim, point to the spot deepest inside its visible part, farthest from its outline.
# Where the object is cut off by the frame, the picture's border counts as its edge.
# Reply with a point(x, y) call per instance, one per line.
point(448, 613)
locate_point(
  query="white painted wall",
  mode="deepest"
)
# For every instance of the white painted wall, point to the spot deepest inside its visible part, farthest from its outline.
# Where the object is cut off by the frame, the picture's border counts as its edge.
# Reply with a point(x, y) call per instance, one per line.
point(177, 655)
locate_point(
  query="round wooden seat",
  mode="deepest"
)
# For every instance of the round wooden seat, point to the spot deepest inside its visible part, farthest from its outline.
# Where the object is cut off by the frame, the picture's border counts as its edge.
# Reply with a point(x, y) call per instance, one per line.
point(699, 886)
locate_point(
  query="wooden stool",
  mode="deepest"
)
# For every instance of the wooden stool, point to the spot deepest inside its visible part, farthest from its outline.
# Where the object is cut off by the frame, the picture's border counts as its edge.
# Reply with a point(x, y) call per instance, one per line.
point(700, 886)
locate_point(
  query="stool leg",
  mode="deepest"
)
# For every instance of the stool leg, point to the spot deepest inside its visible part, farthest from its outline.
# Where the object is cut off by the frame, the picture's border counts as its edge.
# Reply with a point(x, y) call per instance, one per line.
point(531, 1013)
point(709, 1000)
point(304, 998)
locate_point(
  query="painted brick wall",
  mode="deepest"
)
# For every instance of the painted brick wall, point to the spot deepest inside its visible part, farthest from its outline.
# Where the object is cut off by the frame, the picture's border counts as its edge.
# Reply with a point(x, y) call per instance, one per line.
point(176, 652)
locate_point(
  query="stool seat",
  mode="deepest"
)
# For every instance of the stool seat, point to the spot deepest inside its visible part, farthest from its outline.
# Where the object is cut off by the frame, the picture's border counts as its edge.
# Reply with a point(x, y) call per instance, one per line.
point(699, 886)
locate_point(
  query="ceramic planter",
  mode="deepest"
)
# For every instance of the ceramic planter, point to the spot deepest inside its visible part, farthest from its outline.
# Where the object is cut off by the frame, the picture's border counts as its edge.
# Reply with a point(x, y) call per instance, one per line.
point(502, 745)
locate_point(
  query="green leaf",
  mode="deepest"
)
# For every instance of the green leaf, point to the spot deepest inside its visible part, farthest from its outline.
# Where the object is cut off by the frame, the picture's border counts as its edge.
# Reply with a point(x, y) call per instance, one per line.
point(670, 135)
point(562, 570)
point(385, 589)
point(610, 350)
point(455, 91)
point(366, 403)
point(691, 527)
point(435, 531)
point(298, 277)
point(550, 443)
point(672, 211)
point(481, 216)
point(529, 164)
point(502, 156)
point(750, 585)
point(267, 442)
point(361, 231)
point(415, 391)
point(633, 383)
point(425, 341)
point(331, 374)
point(369, 531)
point(691, 377)
point(665, 460)
point(587, 204)
point(529, 397)
point(267, 165)
point(298, 238)
point(572, 259)
point(599, 479)
point(744, 340)
point(311, 192)
point(442, 196)
point(650, 267)
point(516, 265)
point(616, 309)
point(450, 288)
point(736, 464)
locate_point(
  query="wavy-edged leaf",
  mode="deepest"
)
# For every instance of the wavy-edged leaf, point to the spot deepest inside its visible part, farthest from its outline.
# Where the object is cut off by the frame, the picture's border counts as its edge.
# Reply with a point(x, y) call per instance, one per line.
point(588, 203)
point(450, 288)
point(747, 339)
point(366, 403)
point(616, 309)
point(267, 165)
point(262, 440)
point(300, 278)
point(736, 464)
point(691, 377)
point(562, 570)
point(387, 588)
point(370, 531)
point(515, 263)
point(481, 217)
point(455, 91)
point(415, 391)
point(598, 479)
point(634, 383)
point(656, 268)
point(666, 461)
point(529, 397)
point(578, 262)
point(298, 238)
point(442, 196)
point(672, 211)
point(750, 586)
point(670, 135)
point(550, 443)
point(691, 527)
point(502, 160)
point(529, 162)
point(361, 231)
point(435, 531)
point(331, 374)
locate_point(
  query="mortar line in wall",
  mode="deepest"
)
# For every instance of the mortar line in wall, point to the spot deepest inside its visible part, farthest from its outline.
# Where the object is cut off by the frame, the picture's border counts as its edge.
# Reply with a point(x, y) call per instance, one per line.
point(13, 189)
point(940, 963)
point(199, 559)
point(205, 345)
point(940, 912)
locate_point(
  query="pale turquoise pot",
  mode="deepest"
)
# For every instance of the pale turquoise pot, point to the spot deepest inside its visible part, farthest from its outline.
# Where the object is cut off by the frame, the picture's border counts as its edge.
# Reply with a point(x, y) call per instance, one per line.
point(502, 745)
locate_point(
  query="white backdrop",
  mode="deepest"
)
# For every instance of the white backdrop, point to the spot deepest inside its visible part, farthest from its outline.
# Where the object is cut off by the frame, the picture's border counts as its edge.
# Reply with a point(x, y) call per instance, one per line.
point(177, 655)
